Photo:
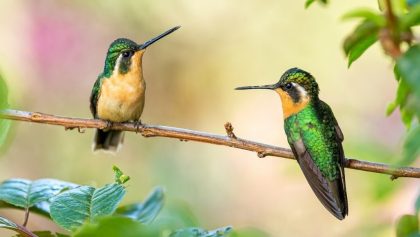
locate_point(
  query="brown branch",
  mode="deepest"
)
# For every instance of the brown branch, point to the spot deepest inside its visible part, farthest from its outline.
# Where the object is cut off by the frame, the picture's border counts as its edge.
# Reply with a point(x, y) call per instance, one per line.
point(189, 135)
point(389, 36)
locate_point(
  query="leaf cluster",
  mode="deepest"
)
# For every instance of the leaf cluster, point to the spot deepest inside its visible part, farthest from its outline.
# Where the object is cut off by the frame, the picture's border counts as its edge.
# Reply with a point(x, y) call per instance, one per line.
point(392, 26)
point(90, 211)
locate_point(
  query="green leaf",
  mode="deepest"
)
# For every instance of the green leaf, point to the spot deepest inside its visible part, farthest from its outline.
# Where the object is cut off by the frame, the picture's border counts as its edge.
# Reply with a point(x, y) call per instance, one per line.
point(360, 40)
point(72, 208)
point(309, 2)
point(359, 48)
point(412, 18)
point(25, 193)
point(116, 226)
point(176, 215)
point(198, 232)
point(391, 108)
point(397, 73)
point(412, 146)
point(412, 3)
point(7, 224)
point(407, 117)
point(408, 65)
point(407, 225)
point(363, 30)
point(146, 212)
point(402, 94)
point(366, 14)
point(120, 177)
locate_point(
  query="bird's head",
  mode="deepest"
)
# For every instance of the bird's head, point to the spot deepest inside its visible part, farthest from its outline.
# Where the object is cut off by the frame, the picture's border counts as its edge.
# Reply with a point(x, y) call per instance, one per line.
point(123, 53)
point(296, 88)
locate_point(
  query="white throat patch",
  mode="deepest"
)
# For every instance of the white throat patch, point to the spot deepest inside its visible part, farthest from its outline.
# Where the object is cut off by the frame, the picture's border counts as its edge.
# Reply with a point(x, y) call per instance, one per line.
point(117, 64)
point(303, 94)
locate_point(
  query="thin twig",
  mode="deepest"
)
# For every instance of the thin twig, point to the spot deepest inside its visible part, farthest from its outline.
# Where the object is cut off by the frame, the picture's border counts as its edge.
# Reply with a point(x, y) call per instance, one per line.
point(190, 135)
point(229, 130)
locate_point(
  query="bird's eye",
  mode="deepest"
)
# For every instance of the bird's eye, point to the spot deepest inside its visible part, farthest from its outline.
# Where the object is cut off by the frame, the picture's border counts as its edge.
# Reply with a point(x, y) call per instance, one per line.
point(288, 86)
point(127, 54)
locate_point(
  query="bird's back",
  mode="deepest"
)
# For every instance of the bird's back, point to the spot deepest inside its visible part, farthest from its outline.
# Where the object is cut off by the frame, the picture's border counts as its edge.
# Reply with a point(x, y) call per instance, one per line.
point(315, 139)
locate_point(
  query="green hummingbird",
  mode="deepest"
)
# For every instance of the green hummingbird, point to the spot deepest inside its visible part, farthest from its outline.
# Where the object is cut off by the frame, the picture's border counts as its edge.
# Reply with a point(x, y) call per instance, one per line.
point(314, 136)
point(119, 92)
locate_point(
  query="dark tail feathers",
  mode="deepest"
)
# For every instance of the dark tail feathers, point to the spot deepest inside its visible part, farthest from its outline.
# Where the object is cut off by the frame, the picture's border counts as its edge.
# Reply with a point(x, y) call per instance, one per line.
point(108, 140)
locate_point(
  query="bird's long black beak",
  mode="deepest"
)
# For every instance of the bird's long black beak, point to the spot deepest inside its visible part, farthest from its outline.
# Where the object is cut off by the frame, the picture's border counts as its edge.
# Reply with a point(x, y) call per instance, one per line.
point(153, 40)
point(268, 87)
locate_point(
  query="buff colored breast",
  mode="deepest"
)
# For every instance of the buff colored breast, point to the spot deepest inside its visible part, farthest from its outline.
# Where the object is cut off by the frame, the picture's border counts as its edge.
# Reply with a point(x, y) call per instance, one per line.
point(122, 95)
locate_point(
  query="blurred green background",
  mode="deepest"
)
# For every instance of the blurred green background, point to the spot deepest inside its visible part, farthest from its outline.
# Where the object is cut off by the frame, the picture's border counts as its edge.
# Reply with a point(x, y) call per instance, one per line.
point(52, 51)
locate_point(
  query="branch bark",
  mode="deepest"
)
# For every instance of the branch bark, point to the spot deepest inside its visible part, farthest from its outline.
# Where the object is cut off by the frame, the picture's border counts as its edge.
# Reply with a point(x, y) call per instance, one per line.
point(389, 38)
point(230, 140)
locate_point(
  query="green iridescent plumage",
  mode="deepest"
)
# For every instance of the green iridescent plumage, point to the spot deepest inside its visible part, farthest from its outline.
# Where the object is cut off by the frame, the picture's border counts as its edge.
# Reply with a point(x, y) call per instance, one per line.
point(314, 136)
point(315, 126)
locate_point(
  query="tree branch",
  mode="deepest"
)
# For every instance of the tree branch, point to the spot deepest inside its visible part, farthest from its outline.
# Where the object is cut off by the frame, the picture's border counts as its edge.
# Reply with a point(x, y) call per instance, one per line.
point(389, 38)
point(190, 135)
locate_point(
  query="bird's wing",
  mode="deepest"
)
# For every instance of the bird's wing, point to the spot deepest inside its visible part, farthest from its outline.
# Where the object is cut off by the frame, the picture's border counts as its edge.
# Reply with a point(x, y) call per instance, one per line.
point(94, 96)
point(329, 193)
point(342, 159)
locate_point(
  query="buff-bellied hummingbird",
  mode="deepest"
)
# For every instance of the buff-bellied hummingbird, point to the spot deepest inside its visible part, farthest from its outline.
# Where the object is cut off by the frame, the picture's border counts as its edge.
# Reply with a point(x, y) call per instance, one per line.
point(119, 92)
point(314, 136)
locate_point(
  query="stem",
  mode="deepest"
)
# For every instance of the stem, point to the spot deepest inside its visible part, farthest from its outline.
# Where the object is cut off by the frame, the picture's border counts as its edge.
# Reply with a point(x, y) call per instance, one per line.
point(25, 222)
point(389, 36)
point(22, 230)
point(190, 135)
point(391, 19)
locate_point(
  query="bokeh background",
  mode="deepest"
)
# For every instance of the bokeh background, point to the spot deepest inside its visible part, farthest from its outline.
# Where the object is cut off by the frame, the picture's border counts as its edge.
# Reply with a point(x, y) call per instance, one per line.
point(52, 51)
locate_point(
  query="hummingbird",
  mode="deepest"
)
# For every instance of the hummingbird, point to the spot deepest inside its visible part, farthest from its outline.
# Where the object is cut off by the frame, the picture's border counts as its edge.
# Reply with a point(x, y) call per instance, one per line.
point(119, 92)
point(314, 137)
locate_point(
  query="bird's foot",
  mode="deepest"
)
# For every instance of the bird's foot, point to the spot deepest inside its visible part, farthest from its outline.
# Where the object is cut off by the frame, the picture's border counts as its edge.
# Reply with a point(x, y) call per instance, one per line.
point(138, 125)
point(108, 126)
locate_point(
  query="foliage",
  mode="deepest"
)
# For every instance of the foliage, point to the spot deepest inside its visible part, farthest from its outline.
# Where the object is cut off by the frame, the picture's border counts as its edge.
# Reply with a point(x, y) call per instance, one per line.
point(201, 233)
point(72, 208)
point(147, 211)
point(393, 33)
point(90, 211)
point(408, 226)
point(309, 2)
point(25, 193)
point(5, 223)
point(392, 26)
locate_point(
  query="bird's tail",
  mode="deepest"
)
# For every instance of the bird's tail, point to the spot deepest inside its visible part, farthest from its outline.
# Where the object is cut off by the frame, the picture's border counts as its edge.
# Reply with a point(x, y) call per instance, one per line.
point(108, 140)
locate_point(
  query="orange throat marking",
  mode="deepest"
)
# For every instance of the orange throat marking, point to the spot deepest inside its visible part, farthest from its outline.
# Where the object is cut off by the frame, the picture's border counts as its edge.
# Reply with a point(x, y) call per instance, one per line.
point(290, 107)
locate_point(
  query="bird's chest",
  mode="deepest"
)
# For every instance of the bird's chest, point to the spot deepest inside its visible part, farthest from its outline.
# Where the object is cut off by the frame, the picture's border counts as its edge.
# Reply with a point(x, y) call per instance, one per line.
point(303, 123)
point(121, 98)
